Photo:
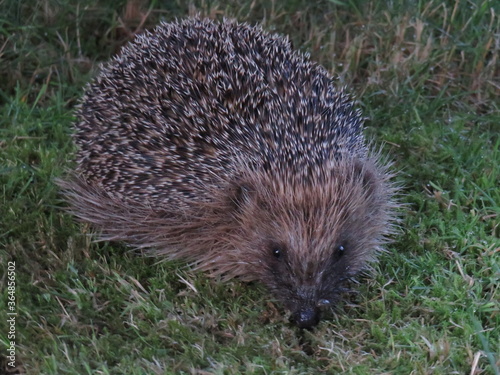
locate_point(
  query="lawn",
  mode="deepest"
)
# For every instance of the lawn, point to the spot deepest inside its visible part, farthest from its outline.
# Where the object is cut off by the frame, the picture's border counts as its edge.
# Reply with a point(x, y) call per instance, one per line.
point(426, 75)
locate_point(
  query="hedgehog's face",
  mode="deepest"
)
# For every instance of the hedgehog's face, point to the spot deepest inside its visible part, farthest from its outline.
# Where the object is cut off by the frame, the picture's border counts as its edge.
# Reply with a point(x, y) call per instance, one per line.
point(303, 284)
point(308, 240)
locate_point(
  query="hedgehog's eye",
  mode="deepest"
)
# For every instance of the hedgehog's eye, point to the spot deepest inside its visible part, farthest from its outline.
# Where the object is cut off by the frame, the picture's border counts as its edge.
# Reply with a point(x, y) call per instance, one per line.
point(340, 251)
point(277, 252)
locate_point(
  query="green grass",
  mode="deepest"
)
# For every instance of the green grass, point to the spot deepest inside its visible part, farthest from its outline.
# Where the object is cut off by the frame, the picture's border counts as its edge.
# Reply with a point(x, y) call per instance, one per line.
point(427, 75)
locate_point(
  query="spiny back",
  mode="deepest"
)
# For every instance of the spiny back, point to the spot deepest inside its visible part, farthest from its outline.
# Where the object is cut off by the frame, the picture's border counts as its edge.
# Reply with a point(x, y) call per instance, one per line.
point(197, 103)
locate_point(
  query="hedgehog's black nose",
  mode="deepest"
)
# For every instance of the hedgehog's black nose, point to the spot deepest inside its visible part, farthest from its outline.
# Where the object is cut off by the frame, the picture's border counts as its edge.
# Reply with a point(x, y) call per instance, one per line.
point(306, 317)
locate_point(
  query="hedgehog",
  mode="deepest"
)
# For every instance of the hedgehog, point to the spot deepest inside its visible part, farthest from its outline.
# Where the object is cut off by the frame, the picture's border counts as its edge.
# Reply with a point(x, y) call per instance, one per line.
point(218, 144)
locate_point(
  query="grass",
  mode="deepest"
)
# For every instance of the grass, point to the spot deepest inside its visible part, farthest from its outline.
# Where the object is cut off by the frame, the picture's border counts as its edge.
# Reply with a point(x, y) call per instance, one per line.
point(427, 75)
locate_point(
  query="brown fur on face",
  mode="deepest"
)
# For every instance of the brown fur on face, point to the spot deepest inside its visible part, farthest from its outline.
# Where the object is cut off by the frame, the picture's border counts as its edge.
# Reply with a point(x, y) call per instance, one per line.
point(304, 240)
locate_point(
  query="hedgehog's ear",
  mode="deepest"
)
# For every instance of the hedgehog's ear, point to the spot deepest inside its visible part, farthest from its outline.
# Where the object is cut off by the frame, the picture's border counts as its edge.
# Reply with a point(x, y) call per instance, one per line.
point(366, 173)
point(241, 193)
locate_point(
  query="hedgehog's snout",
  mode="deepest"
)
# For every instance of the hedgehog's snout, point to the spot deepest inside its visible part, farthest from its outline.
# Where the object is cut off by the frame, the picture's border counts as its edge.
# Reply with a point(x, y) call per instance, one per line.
point(306, 309)
point(306, 317)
